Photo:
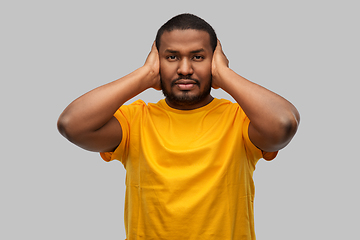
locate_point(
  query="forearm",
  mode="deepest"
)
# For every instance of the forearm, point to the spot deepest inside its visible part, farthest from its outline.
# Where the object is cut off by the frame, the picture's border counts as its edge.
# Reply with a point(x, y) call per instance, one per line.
point(95, 108)
point(272, 117)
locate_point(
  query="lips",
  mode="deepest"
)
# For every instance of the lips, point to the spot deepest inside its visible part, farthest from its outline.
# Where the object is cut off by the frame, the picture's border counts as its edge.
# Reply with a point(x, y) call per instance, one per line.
point(185, 84)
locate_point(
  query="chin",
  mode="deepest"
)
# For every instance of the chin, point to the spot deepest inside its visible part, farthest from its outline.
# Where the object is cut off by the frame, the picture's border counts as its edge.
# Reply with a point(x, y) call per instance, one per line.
point(186, 98)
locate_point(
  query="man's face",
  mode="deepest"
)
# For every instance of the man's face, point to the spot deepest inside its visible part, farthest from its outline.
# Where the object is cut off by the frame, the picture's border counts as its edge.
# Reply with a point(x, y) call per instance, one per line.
point(185, 68)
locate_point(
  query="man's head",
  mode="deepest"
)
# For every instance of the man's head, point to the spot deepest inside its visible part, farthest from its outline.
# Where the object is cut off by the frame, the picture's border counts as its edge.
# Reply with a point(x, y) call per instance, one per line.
point(187, 21)
point(186, 45)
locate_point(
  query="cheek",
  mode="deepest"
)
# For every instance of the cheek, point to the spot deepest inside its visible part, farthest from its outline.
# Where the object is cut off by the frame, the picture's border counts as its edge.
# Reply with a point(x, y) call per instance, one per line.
point(165, 77)
point(204, 72)
point(166, 70)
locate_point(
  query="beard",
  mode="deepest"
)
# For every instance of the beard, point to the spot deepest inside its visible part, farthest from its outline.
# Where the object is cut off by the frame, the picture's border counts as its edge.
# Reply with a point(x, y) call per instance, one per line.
point(185, 98)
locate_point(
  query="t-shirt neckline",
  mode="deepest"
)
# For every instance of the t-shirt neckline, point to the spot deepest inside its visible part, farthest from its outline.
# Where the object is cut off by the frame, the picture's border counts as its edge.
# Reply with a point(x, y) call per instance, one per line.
point(165, 105)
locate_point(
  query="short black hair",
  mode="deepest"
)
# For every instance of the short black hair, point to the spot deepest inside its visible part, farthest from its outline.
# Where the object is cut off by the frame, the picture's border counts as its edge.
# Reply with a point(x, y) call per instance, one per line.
point(187, 21)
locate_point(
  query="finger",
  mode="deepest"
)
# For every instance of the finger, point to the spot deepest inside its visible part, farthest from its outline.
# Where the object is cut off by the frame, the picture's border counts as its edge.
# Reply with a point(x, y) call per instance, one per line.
point(154, 48)
point(219, 44)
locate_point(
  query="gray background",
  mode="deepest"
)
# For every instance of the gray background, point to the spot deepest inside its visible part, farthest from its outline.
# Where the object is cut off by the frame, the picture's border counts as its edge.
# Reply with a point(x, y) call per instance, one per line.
point(54, 51)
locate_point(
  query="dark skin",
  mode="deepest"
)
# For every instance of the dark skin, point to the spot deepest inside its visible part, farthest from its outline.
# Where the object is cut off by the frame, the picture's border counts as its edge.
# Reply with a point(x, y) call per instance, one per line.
point(89, 122)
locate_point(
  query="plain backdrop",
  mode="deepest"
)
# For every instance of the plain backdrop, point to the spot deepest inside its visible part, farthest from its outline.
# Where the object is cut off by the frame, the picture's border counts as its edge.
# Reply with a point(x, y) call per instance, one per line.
point(52, 52)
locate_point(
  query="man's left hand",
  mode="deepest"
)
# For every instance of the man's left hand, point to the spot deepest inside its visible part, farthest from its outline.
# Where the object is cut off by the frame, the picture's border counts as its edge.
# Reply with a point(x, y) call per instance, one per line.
point(219, 63)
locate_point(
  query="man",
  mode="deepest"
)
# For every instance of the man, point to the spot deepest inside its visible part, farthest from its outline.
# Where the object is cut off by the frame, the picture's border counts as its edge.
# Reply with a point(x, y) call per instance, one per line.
point(189, 158)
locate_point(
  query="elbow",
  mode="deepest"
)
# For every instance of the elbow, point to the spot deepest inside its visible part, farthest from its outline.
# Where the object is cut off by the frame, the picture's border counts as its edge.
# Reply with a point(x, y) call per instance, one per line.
point(290, 127)
point(73, 130)
point(64, 126)
point(293, 122)
point(276, 132)
point(287, 129)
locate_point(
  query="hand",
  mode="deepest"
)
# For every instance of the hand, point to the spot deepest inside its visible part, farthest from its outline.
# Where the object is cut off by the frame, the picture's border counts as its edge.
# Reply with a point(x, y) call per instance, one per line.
point(219, 63)
point(153, 63)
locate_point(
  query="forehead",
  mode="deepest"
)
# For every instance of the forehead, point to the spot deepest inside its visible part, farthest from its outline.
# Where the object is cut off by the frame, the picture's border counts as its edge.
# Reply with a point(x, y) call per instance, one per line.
point(185, 40)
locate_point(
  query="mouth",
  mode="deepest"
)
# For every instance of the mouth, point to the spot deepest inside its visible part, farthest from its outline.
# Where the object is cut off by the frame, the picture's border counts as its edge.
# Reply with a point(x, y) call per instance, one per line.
point(185, 84)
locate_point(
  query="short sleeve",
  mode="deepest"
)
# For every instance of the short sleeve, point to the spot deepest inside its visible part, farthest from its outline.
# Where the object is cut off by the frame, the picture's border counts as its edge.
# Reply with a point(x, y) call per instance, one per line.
point(250, 147)
point(125, 115)
point(121, 151)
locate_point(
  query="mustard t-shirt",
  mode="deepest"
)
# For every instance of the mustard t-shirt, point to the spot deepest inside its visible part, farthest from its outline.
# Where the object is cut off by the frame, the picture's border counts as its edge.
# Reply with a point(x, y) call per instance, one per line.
point(188, 172)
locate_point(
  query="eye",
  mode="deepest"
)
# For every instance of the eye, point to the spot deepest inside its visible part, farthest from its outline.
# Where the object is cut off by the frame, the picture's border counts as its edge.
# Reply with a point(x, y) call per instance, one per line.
point(198, 57)
point(171, 57)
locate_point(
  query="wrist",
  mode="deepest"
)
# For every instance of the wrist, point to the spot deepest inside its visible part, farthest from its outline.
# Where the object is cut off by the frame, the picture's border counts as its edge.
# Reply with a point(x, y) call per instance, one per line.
point(151, 77)
point(221, 76)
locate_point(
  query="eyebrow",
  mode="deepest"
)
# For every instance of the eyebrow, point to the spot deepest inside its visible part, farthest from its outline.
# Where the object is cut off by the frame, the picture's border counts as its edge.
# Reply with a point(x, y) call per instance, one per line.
point(195, 51)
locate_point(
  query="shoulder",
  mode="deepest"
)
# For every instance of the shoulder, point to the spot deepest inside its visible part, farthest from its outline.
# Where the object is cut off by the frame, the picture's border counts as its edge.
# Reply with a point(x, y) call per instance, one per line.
point(136, 103)
point(224, 103)
point(133, 106)
point(131, 109)
point(228, 106)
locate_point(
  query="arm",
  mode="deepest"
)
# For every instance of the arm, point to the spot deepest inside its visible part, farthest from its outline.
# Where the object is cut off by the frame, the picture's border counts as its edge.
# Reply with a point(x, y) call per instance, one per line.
point(89, 121)
point(273, 120)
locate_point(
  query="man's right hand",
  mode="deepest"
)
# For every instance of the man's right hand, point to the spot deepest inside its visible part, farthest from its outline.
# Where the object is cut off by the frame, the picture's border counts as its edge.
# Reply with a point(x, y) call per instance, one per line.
point(153, 64)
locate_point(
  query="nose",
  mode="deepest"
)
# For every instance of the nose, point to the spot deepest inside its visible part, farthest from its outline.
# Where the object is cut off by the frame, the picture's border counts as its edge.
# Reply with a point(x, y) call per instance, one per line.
point(185, 67)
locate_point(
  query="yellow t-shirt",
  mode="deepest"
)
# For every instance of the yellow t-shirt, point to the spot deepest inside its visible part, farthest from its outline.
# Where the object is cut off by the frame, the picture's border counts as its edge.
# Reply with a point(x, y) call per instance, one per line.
point(188, 172)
